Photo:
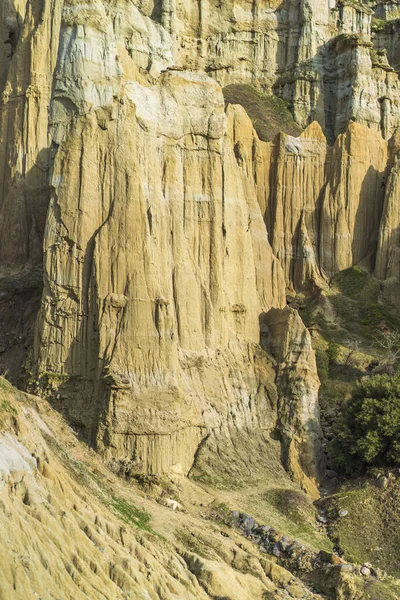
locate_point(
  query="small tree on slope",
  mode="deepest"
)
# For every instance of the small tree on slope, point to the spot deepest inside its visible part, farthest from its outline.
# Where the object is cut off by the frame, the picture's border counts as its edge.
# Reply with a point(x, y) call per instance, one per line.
point(368, 432)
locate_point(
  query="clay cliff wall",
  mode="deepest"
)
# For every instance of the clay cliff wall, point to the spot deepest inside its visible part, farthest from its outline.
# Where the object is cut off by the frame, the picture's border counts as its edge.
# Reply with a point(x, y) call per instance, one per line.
point(170, 231)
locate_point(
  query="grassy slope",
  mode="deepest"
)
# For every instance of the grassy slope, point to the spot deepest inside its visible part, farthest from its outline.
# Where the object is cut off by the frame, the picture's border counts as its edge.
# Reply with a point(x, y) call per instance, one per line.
point(371, 530)
point(249, 476)
point(270, 115)
point(350, 314)
point(351, 311)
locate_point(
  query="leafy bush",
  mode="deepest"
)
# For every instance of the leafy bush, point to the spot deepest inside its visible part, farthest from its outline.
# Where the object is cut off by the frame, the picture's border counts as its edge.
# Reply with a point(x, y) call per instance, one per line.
point(368, 433)
point(352, 282)
point(374, 315)
point(322, 364)
point(333, 352)
point(378, 24)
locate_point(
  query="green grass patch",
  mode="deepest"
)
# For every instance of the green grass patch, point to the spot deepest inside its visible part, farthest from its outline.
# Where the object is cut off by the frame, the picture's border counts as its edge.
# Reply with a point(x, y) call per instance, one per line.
point(94, 482)
point(378, 24)
point(345, 322)
point(371, 530)
point(5, 386)
point(292, 512)
point(131, 514)
point(7, 407)
point(346, 41)
point(351, 282)
point(269, 113)
point(357, 304)
point(292, 504)
point(381, 590)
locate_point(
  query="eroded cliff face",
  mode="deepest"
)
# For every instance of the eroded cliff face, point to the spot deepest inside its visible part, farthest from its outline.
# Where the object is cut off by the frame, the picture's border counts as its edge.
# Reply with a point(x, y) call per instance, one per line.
point(171, 231)
point(72, 529)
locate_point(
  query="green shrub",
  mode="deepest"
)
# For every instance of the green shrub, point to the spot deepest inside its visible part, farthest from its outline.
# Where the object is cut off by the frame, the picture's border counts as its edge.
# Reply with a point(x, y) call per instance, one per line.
point(368, 433)
point(333, 352)
point(346, 41)
point(352, 282)
point(322, 364)
point(378, 24)
point(374, 315)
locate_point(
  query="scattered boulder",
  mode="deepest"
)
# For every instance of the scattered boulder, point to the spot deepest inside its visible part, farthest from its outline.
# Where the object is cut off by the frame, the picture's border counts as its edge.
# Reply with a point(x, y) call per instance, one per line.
point(284, 544)
point(330, 558)
point(276, 551)
point(275, 536)
point(383, 482)
point(294, 555)
point(336, 560)
point(277, 574)
point(249, 524)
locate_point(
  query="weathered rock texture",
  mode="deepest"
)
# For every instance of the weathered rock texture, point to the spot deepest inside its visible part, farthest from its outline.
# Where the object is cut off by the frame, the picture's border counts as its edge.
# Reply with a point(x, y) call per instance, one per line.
point(72, 529)
point(170, 229)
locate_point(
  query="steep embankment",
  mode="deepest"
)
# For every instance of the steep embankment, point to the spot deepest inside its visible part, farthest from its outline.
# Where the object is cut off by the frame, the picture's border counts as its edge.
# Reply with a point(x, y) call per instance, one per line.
point(70, 528)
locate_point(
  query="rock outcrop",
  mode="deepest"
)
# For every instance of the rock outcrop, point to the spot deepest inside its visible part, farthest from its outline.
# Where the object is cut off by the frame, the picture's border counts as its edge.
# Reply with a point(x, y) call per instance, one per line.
point(299, 425)
point(170, 227)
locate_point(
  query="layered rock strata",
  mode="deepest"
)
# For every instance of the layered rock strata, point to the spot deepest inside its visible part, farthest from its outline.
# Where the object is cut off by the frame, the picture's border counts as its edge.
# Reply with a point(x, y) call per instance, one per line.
point(170, 228)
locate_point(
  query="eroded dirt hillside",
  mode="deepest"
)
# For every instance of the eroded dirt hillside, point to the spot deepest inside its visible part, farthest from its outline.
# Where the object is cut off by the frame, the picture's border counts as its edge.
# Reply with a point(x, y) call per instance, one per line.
point(70, 528)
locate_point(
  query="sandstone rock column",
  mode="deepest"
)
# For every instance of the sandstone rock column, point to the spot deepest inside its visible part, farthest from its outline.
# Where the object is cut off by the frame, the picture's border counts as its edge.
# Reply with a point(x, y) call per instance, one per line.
point(168, 15)
point(283, 333)
point(387, 266)
point(353, 200)
point(24, 151)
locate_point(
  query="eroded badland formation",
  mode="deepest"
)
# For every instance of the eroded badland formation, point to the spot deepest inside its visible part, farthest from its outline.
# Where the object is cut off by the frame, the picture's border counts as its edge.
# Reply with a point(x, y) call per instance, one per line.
point(174, 176)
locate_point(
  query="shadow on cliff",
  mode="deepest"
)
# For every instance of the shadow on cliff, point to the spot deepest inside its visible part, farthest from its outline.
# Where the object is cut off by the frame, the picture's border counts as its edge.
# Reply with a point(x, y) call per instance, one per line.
point(156, 13)
point(24, 203)
point(286, 13)
point(11, 27)
point(81, 399)
point(368, 218)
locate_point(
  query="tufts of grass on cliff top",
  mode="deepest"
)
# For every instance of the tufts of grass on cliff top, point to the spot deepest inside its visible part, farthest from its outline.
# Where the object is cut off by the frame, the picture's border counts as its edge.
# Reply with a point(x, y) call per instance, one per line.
point(378, 25)
point(270, 115)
